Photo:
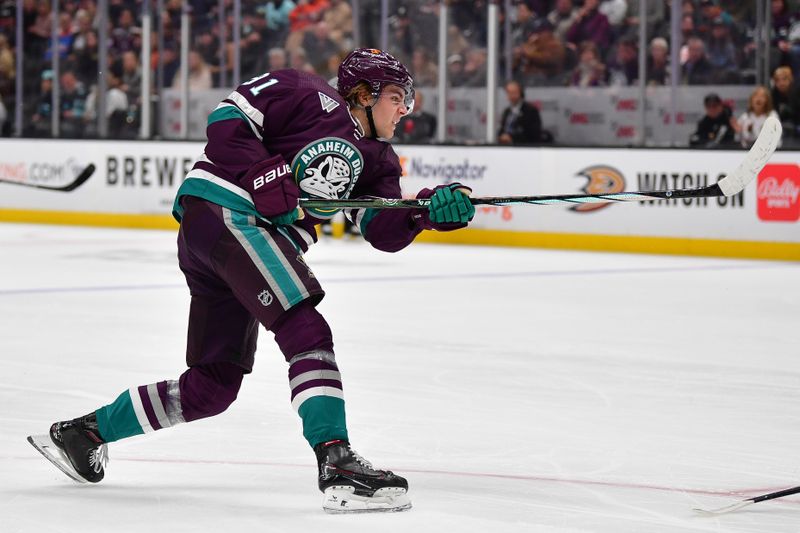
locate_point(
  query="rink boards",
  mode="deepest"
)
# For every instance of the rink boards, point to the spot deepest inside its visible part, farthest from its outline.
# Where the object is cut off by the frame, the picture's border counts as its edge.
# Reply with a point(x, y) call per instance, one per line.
point(135, 184)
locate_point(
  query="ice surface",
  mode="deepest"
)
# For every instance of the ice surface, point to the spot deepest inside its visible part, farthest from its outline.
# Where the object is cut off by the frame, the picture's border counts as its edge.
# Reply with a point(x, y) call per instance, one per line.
point(518, 390)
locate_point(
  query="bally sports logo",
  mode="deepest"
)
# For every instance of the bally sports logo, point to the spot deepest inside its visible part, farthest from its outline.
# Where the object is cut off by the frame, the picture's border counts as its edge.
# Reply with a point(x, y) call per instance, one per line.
point(778, 192)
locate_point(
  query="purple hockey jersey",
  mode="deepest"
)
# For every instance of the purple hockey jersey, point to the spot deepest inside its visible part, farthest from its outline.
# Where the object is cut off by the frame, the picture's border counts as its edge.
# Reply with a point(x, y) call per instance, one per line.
point(299, 116)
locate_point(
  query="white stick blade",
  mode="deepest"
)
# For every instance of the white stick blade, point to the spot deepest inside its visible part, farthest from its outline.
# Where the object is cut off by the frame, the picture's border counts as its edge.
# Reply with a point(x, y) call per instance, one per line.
point(722, 510)
point(756, 158)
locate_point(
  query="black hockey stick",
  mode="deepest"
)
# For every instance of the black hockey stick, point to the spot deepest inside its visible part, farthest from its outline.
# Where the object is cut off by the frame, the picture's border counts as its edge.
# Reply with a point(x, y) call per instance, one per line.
point(749, 501)
point(79, 180)
point(731, 184)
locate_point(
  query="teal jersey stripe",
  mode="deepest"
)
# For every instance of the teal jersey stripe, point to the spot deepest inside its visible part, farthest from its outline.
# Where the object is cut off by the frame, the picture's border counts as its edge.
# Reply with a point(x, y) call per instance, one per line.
point(118, 420)
point(213, 193)
point(323, 419)
point(369, 214)
point(255, 237)
point(227, 113)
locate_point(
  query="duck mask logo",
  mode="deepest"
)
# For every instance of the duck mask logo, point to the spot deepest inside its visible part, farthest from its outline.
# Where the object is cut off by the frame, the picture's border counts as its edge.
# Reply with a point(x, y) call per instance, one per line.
point(327, 169)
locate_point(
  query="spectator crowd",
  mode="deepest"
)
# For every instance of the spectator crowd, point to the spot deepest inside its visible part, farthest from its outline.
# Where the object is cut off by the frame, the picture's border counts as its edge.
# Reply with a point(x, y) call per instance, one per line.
point(582, 43)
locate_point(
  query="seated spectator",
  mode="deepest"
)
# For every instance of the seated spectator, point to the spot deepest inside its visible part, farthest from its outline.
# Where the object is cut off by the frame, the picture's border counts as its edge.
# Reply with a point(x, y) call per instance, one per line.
point(623, 68)
point(455, 70)
point(199, 74)
point(423, 69)
point(717, 127)
point(83, 25)
point(721, 52)
point(654, 17)
point(697, 70)
point(590, 25)
point(562, 17)
point(786, 99)
point(116, 102)
point(73, 105)
point(520, 122)
point(83, 61)
point(710, 11)
point(277, 59)
point(124, 34)
point(658, 62)
point(782, 18)
point(276, 13)
point(475, 68)
point(749, 123)
point(131, 77)
point(299, 61)
point(65, 37)
point(615, 11)
point(418, 127)
point(305, 14)
point(522, 23)
point(319, 47)
point(339, 18)
point(542, 56)
point(207, 45)
point(590, 71)
point(40, 123)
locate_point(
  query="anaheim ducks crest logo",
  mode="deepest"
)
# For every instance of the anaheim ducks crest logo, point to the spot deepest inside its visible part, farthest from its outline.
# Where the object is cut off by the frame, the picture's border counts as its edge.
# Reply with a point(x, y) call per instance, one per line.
point(327, 169)
point(603, 179)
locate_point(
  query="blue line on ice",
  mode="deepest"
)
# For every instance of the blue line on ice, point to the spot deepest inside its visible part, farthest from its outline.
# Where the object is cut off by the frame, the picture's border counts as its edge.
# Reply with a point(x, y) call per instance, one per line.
point(426, 277)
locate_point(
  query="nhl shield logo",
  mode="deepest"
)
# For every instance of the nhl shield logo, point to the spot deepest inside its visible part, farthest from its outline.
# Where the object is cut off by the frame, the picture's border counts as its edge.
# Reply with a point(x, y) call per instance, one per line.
point(265, 298)
point(327, 169)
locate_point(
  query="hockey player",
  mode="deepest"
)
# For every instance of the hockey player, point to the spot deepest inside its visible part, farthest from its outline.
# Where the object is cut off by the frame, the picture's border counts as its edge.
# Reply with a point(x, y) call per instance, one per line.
point(279, 137)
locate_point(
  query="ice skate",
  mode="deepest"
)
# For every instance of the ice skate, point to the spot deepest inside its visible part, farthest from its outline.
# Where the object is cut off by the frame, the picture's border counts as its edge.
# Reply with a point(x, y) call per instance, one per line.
point(351, 484)
point(75, 448)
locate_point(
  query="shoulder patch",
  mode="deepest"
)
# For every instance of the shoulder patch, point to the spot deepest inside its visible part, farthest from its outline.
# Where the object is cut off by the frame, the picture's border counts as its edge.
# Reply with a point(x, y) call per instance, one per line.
point(328, 103)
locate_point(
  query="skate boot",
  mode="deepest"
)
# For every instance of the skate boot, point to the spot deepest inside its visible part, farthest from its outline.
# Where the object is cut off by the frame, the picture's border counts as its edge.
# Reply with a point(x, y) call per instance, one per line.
point(75, 448)
point(351, 484)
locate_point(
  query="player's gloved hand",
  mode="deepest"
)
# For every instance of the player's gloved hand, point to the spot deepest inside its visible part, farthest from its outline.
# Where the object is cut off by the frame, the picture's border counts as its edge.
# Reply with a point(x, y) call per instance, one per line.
point(449, 209)
point(274, 192)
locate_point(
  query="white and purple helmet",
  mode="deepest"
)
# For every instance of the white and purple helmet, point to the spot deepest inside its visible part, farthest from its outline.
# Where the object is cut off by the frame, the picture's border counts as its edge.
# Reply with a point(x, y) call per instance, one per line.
point(377, 68)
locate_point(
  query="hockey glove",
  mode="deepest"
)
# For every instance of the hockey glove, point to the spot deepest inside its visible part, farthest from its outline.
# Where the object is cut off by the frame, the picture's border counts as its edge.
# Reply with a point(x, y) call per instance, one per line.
point(449, 209)
point(274, 192)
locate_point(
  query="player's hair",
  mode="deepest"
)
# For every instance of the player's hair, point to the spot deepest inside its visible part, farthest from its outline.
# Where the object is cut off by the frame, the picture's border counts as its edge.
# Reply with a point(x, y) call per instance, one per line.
point(359, 89)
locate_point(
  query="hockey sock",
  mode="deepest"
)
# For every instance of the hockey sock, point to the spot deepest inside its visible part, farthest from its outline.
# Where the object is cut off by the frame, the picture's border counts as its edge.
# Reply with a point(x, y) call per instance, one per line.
point(306, 341)
point(140, 410)
point(201, 391)
point(317, 396)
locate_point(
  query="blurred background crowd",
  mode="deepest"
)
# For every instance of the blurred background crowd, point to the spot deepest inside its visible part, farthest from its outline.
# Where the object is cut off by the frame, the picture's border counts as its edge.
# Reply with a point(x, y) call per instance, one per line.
point(546, 43)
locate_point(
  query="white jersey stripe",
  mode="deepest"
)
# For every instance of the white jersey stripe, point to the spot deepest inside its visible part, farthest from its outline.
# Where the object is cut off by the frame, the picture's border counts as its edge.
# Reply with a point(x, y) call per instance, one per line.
point(216, 180)
point(138, 408)
point(158, 408)
point(242, 103)
point(254, 256)
point(314, 374)
point(316, 391)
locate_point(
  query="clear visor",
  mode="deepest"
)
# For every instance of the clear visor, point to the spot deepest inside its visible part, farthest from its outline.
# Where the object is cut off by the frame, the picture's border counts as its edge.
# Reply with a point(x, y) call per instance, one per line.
point(409, 101)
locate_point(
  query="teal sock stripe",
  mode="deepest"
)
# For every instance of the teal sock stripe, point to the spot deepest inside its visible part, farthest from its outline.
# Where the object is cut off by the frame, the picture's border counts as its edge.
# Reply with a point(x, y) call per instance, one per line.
point(323, 419)
point(118, 420)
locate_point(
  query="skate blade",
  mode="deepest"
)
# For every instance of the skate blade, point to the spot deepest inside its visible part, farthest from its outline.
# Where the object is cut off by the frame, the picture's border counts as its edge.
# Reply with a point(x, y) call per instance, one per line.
point(342, 500)
point(45, 445)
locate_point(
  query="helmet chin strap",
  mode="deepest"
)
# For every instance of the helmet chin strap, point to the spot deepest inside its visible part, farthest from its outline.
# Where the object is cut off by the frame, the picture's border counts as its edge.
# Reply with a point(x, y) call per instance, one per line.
point(373, 132)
